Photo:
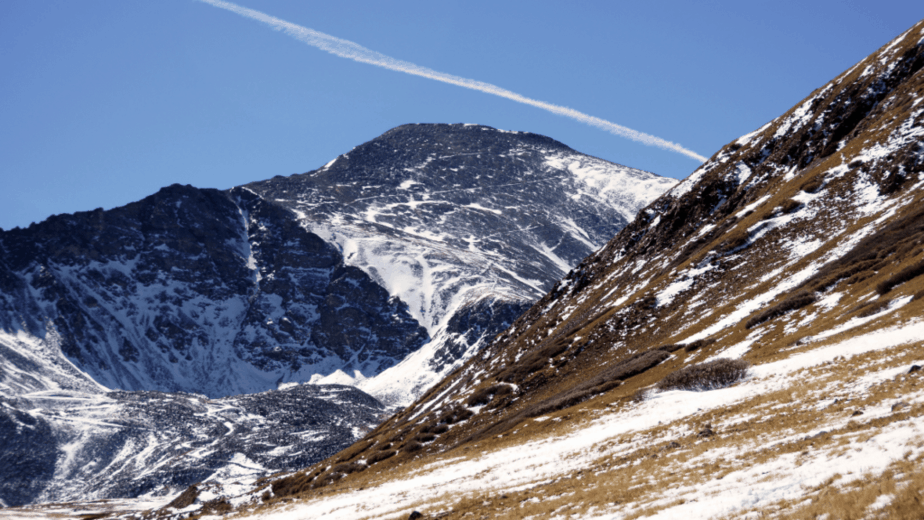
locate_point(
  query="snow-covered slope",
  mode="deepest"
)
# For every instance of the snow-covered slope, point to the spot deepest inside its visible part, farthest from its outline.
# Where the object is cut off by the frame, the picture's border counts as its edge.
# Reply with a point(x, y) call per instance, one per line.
point(751, 342)
point(67, 438)
point(201, 291)
point(467, 224)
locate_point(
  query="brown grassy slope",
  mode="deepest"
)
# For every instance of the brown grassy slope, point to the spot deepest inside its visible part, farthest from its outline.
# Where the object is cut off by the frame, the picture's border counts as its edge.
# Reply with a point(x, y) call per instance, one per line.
point(802, 242)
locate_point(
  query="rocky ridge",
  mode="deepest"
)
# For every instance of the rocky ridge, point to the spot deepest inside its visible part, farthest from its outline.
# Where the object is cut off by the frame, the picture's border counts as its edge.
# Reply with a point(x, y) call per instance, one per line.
point(199, 291)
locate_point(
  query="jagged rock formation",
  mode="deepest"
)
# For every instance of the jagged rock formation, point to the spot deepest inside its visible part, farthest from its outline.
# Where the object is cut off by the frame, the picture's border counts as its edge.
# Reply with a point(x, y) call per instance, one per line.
point(201, 291)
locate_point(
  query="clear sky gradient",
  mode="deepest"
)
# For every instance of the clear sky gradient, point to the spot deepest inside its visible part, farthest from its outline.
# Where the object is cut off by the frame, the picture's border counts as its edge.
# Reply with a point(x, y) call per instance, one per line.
point(103, 102)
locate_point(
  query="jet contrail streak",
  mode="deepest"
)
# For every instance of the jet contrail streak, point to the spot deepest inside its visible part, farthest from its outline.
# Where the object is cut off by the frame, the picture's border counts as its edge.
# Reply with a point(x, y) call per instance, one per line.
point(356, 52)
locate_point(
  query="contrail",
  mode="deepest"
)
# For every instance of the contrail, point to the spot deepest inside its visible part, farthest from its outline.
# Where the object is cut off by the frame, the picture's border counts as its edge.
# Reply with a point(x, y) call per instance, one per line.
point(356, 52)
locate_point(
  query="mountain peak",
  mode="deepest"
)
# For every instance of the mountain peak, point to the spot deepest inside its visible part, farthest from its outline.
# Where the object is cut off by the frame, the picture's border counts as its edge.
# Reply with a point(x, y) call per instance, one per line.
point(465, 135)
point(453, 218)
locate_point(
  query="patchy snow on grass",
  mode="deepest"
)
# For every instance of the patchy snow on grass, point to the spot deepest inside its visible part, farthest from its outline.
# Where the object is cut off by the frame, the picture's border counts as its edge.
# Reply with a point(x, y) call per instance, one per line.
point(742, 172)
point(752, 206)
point(856, 322)
point(746, 138)
point(801, 115)
point(683, 281)
point(791, 474)
point(441, 484)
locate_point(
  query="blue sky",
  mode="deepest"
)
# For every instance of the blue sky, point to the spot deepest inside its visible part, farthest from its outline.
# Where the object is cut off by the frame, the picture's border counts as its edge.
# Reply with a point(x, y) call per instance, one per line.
point(102, 102)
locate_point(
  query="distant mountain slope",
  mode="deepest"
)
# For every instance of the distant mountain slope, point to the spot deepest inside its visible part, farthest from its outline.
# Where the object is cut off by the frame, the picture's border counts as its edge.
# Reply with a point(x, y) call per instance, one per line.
point(200, 291)
point(798, 248)
point(467, 224)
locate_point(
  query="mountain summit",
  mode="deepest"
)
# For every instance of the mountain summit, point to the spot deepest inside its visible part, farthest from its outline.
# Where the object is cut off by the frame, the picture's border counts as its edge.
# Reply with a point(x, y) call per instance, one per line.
point(466, 224)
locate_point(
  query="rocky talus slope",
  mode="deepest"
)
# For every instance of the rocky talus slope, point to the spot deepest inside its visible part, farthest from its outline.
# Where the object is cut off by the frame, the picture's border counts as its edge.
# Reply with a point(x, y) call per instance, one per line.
point(751, 342)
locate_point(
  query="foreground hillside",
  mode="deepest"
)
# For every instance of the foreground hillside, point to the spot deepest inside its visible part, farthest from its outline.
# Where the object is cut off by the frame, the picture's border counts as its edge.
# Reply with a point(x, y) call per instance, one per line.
point(751, 343)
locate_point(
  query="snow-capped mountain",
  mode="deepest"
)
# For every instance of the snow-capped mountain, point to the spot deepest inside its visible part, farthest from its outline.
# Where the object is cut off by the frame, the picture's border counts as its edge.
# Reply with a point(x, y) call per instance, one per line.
point(467, 224)
point(124, 332)
point(751, 342)
point(442, 232)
